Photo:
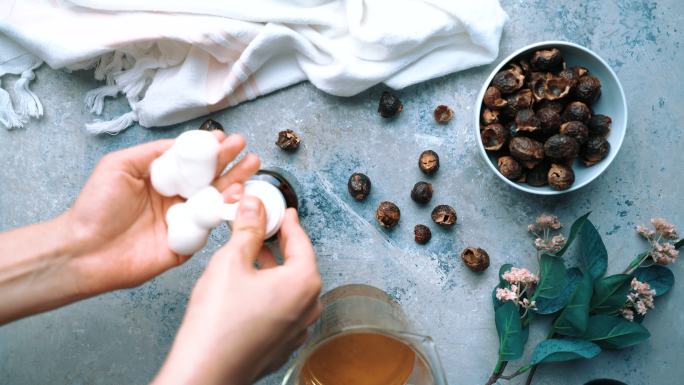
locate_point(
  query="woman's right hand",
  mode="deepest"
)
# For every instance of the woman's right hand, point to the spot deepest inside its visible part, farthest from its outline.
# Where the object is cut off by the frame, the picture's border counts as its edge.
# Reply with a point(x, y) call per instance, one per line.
point(243, 322)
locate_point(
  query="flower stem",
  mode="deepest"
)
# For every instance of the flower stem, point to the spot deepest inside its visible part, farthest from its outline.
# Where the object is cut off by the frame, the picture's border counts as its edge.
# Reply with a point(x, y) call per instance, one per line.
point(498, 370)
point(637, 261)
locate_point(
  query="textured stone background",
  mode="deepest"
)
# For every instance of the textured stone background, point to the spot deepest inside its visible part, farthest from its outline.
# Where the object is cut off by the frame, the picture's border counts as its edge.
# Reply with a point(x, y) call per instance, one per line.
point(122, 337)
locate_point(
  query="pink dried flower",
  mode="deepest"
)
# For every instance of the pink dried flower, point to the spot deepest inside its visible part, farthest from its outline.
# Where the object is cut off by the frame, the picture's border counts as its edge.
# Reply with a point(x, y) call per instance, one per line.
point(557, 243)
point(550, 221)
point(539, 244)
point(639, 300)
point(517, 276)
point(532, 228)
point(645, 232)
point(664, 227)
point(664, 253)
point(506, 295)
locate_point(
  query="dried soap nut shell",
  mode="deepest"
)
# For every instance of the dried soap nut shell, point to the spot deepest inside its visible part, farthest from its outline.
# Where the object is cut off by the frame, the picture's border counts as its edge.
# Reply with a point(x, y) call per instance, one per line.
point(422, 234)
point(387, 214)
point(576, 111)
point(288, 140)
point(547, 60)
point(428, 162)
point(561, 146)
point(560, 176)
point(443, 114)
point(510, 80)
point(576, 130)
point(444, 215)
point(492, 98)
point(588, 89)
point(421, 192)
point(359, 186)
point(211, 125)
point(599, 125)
point(509, 167)
point(494, 136)
point(390, 105)
point(595, 150)
point(475, 258)
point(524, 148)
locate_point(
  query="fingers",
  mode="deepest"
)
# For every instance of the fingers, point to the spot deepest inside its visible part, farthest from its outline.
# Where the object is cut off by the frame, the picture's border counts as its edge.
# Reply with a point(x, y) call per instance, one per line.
point(137, 159)
point(233, 193)
point(229, 149)
point(295, 244)
point(249, 229)
point(265, 259)
point(240, 172)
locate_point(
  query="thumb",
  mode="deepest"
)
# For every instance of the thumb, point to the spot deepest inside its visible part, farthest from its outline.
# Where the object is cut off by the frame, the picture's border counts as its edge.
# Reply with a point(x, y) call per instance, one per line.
point(249, 230)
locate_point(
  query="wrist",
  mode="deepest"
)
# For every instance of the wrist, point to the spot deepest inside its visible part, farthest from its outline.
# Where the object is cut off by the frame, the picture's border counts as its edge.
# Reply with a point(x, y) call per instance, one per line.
point(36, 272)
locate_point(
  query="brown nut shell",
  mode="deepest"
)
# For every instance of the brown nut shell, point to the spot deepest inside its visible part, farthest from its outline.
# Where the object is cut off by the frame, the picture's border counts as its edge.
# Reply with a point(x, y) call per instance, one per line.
point(576, 130)
point(387, 214)
point(599, 125)
point(595, 150)
point(444, 215)
point(359, 186)
point(443, 114)
point(428, 162)
point(509, 167)
point(494, 136)
point(211, 125)
point(588, 89)
point(561, 146)
point(475, 258)
point(288, 140)
point(526, 120)
point(547, 60)
point(490, 116)
point(422, 234)
point(524, 148)
point(577, 111)
point(492, 98)
point(560, 176)
point(421, 192)
point(509, 80)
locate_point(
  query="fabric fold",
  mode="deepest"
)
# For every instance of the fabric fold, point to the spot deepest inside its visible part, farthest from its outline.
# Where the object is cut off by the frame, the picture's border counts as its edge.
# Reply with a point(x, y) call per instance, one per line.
point(177, 60)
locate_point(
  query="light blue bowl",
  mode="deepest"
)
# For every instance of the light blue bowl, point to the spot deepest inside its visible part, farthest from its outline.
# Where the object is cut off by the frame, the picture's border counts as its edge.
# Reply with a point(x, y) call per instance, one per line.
point(611, 103)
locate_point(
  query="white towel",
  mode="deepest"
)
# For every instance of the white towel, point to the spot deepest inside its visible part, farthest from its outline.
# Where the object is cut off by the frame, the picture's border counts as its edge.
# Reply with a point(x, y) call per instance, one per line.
point(175, 60)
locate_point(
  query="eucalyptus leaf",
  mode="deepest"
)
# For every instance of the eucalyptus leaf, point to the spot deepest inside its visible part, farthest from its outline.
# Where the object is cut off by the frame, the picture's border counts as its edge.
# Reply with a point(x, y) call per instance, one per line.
point(574, 229)
point(553, 305)
point(552, 277)
point(659, 277)
point(593, 256)
point(509, 328)
point(610, 294)
point(679, 244)
point(554, 350)
point(572, 321)
point(614, 332)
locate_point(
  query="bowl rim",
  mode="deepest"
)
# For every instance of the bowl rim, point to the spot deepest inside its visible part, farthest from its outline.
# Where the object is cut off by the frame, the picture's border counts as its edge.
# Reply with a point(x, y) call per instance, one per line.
point(478, 108)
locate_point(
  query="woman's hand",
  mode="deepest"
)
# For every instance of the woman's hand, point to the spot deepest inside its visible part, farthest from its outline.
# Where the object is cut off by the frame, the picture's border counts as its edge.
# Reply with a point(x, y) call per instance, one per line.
point(118, 220)
point(243, 322)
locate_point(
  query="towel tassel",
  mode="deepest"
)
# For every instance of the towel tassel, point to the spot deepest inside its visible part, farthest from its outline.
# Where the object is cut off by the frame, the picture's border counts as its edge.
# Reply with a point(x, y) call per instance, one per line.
point(94, 99)
point(27, 102)
point(114, 126)
point(8, 117)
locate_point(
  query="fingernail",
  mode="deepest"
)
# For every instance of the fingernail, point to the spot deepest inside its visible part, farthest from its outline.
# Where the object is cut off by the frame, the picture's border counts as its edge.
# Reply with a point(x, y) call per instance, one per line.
point(249, 207)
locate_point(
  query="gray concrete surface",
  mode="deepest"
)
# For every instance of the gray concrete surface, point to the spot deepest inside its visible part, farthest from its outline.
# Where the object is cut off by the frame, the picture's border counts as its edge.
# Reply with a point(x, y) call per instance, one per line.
point(122, 337)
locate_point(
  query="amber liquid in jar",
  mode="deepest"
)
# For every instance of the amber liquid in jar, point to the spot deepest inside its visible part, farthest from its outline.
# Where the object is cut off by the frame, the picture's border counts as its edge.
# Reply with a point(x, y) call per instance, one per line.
point(360, 358)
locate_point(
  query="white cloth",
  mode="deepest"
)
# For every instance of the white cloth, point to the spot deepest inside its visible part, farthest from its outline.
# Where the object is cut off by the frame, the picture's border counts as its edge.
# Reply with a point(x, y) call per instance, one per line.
point(175, 60)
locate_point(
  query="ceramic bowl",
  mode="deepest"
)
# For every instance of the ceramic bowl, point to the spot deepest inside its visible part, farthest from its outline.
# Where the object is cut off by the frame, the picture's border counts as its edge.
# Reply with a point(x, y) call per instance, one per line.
point(612, 103)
